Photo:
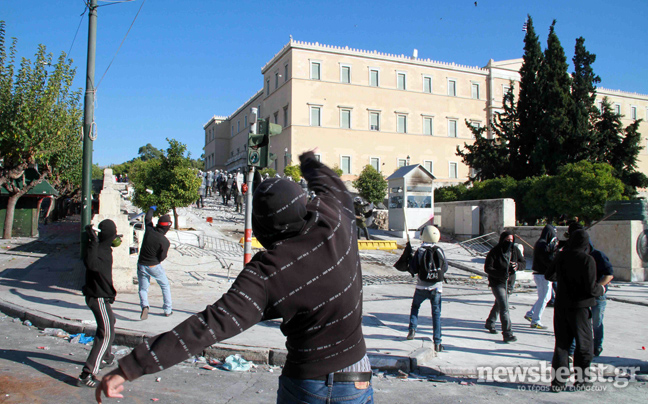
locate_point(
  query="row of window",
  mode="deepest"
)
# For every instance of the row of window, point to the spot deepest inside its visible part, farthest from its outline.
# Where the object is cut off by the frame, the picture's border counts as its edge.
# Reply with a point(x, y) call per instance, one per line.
point(401, 80)
point(402, 121)
point(345, 165)
point(617, 109)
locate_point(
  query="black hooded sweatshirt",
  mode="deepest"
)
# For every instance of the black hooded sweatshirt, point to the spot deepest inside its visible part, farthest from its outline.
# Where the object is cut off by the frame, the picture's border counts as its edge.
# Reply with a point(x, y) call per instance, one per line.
point(499, 259)
point(575, 271)
point(155, 245)
point(98, 262)
point(544, 250)
point(309, 277)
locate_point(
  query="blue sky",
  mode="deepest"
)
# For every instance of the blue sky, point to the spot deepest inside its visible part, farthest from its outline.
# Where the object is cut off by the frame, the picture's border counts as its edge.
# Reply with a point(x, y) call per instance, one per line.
point(187, 60)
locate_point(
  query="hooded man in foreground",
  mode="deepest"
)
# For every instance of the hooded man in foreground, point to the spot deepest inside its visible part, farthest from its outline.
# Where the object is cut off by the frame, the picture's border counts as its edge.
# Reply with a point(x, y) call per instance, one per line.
point(575, 271)
point(309, 276)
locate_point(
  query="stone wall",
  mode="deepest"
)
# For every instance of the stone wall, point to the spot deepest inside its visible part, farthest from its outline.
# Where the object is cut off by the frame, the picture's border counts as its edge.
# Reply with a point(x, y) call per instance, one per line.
point(494, 215)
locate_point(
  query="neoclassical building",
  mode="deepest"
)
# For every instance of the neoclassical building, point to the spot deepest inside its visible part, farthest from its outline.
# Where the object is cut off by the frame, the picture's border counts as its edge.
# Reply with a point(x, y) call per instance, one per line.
point(361, 107)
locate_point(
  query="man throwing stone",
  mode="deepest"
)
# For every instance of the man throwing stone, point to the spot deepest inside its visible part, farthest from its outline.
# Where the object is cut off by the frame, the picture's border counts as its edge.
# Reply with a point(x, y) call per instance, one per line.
point(309, 276)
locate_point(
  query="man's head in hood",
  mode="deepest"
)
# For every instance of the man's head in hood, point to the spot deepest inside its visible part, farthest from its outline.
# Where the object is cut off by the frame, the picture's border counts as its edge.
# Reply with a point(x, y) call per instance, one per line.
point(164, 224)
point(278, 210)
point(107, 231)
point(548, 233)
point(506, 240)
point(573, 226)
point(579, 241)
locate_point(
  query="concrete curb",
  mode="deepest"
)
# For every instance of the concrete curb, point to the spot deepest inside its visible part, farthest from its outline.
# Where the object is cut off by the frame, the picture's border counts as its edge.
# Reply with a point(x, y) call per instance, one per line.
point(274, 357)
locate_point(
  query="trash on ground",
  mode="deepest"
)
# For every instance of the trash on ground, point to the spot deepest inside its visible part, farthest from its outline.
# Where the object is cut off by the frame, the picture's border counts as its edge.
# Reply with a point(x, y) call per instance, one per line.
point(158, 379)
point(401, 374)
point(27, 323)
point(208, 367)
point(155, 399)
point(81, 338)
point(124, 351)
point(215, 362)
point(237, 364)
point(467, 383)
point(44, 348)
point(476, 277)
point(56, 332)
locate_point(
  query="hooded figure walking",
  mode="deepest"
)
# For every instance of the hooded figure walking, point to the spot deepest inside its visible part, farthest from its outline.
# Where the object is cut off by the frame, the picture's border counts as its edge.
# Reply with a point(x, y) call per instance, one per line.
point(309, 276)
point(502, 261)
point(575, 271)
point(99, 295)
point(155, 247)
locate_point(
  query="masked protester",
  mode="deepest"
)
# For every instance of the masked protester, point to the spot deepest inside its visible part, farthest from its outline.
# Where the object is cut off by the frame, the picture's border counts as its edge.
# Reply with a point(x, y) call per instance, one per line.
point(155, 247)
point(543, 254)
point(309, 276)
point(502, 261)
point(99, 295)
point(575, 271)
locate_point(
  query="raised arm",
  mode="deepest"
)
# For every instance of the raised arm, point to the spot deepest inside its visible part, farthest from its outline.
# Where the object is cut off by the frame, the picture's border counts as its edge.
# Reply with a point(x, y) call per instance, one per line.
point(323, 181)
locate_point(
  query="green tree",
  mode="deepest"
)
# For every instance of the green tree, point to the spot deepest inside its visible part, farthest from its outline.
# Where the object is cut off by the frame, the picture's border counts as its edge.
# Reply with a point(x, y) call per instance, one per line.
point(336, 169)
point(584, 112)
point(451, 193)
point(581, 189)
point(148, 152)
point(371, 185)
point(491, 158)
point(171, 178)
point(40, 122)
point(267, 170)
point(555, 128)
point(293, 171)
point(97, 172)
point(529, 106)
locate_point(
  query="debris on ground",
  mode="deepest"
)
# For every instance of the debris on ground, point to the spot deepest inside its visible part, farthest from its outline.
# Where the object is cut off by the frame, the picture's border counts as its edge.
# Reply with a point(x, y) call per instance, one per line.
point(124, 351)
point(81, 338)
point(44, 348)
point(237, 364)
point(467, 383)
point(55, 332)
point(401, 374)
point(27, 323)
point(159, 379)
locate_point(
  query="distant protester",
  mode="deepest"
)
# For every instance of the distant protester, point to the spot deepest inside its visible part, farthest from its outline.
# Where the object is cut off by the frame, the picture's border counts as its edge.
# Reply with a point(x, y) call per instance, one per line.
point(155, 247)
point(543, 254)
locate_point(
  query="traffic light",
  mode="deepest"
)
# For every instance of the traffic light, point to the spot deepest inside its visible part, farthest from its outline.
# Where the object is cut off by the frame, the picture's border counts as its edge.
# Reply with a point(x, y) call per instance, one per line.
point(258, 144)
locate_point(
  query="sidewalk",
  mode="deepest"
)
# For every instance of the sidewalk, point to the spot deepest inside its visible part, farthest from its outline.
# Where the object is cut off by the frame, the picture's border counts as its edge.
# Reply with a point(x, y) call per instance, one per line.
point(41, 280)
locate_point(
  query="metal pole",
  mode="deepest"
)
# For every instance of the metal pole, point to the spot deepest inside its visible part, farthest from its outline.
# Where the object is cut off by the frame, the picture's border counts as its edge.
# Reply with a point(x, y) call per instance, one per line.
point(247, 246)
point(88, 116)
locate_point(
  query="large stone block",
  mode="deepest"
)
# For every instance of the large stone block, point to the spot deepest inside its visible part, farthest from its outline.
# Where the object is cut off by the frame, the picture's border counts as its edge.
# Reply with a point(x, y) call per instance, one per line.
point(621, 241)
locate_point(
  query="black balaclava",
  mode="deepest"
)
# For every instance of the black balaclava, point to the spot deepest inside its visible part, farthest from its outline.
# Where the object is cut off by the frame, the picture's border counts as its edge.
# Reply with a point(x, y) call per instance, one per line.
point(278, 210)
point(506, 245)
point(579, 241)
point(164, 224)
point(107, 231)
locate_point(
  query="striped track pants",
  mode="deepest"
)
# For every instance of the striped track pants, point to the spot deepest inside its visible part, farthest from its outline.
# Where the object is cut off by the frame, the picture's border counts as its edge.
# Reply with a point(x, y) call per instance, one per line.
point(105, 335)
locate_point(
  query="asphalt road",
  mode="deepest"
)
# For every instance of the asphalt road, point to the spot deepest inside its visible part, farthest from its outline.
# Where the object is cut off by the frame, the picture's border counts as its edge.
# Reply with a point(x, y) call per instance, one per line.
point(35, 368)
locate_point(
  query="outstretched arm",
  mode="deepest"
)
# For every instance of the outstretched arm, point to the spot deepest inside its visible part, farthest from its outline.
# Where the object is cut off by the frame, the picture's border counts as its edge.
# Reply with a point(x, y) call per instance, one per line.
point(323, 181)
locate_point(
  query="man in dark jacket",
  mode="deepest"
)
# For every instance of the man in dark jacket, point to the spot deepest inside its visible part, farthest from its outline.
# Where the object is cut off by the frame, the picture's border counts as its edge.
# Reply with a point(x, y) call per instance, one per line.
point(309, 276)
point(543, 253)
point(575, 271)
point(155, 247)
point(99, 295)
point(502, 261)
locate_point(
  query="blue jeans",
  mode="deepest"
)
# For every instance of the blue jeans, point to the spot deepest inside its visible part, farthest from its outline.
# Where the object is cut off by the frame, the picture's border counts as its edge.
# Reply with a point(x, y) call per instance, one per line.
point(598, 312)
point(500, 307)
point(144, 274)
point(298, 391)
point(544, 294)
point(421, 295)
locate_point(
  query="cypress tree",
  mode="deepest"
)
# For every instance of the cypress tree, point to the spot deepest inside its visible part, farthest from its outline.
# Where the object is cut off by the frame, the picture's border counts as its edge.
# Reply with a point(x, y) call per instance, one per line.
point(556, 128)
point(529, 107)
point(584, 112)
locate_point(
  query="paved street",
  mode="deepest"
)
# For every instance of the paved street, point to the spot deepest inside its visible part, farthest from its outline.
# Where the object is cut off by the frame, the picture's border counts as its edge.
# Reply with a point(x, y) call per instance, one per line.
point(40, 280)
point(29, 374)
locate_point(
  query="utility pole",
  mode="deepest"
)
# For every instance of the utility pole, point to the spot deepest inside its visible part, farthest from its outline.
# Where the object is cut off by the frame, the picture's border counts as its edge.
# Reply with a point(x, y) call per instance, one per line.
point(88, 117)
point(247, 246)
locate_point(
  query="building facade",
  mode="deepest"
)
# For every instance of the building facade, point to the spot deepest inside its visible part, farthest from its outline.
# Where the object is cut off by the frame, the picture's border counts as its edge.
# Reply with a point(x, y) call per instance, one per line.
point(363, 108)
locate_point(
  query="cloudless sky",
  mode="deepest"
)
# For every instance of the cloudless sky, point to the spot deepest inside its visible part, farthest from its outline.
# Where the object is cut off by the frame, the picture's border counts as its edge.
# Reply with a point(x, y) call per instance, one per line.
point(187, 60)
